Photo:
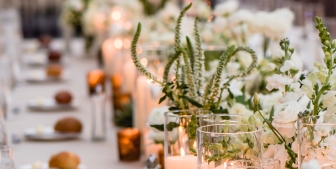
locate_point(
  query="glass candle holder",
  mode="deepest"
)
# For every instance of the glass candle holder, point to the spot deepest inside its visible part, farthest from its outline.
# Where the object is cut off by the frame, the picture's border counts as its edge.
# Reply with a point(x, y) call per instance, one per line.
point(253, 164)
point(317, 136)
point(129, 144)
point(220, 143)
point(95, 78)
point(98, 101)
point(180, 135)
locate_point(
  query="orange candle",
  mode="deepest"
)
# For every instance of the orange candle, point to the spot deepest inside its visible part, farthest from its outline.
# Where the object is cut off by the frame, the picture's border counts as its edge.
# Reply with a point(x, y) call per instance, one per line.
point(95, 79)
point(129, 144)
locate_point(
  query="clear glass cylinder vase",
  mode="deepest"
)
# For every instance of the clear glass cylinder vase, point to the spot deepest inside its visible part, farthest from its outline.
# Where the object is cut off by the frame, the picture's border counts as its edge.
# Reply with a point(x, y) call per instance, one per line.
point(317, 141)
point(98, 131)
point(180, 135)
point(221, 143)
point(254, 164)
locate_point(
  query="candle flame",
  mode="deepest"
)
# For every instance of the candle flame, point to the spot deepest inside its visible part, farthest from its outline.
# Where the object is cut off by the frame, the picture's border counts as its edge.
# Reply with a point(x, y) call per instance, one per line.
point(182, 152)
point(194, 145)
point(116, 15)
point(118, 43)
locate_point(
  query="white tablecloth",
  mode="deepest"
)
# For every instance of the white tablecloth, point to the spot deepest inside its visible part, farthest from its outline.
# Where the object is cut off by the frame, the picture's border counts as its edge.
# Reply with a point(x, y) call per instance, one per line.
point(94, 155)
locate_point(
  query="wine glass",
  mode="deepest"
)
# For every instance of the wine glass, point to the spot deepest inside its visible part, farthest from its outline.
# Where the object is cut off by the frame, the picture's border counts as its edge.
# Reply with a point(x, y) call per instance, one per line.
point(6, 158)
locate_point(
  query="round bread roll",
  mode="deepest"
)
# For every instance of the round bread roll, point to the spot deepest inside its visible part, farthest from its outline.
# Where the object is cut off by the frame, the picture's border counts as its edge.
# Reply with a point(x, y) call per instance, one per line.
point(68, 124)
point(63, 97)
point(54, 56)
point(54, 70)
point(64, 160)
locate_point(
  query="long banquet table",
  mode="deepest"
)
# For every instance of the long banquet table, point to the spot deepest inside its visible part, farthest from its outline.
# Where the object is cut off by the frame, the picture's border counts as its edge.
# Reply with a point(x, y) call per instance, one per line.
point(94, 155)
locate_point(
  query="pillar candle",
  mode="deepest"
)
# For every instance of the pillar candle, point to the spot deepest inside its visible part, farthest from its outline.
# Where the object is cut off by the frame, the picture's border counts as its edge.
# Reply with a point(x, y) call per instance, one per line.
point(108, 52)
point(180, 162)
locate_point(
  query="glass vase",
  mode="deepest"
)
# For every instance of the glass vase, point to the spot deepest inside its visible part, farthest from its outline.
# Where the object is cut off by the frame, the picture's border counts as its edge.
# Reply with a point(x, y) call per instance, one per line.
point(180, 135)
point(317, 141)
point(221, 143)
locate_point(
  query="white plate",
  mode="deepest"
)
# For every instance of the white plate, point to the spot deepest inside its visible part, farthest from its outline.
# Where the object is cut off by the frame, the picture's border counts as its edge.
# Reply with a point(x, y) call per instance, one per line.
point(40, 76)
point(48, 134)
point(46, 166)
point(36, 59)
point(45, 104)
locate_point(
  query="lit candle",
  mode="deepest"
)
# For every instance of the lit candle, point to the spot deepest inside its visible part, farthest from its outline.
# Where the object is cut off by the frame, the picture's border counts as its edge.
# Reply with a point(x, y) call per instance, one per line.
point(109, 52)
point(95, 78)
point(129, 144)
point(129, 74)
point(181, 162)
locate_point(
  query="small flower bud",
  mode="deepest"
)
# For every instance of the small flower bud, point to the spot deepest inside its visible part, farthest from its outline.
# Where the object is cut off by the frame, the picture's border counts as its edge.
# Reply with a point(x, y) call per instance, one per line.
point(291, 50)
point(333, 43)
point(318, 65)
point(255, 99)
point(327, 43)
point(271, 66)
point(327, 55)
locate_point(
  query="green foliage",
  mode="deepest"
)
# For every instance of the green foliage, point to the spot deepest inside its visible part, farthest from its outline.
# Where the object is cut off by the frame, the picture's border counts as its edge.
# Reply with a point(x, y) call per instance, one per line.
point(199, 61)
point(191, 129)
point(152, 9)
point(124, 117)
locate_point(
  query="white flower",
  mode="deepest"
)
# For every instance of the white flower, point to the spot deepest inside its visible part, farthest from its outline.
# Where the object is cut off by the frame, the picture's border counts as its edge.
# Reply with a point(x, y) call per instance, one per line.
point(329, 99)
point(157, 115)
point(169, 12)
point(278, 152)
point(281, 21)
point(219, 24)
point(233, 68)
point(294, 64)
point(268, 101)
point(284, 117)
point(259, 22)
point(156, 135)
point(76, 5)
point(271, 66)
point(307, 88)
point(240, 16)
point(201, 9)
point(288, 97)
point(225, 8)
point(235, 87)
point(244, 58)
point(278, 82)
point(312, 164)
point(240, 109)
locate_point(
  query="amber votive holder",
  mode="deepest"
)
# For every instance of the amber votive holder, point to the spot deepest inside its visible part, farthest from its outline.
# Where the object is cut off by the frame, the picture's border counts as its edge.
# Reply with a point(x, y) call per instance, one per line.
point(129, 144)
point(95, 80)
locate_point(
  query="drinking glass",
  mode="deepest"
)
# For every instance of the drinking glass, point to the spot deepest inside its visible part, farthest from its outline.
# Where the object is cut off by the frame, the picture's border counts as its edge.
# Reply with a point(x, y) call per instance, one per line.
point(317, 135)
point(250, 164)
point(221, 143)
point(6, 158)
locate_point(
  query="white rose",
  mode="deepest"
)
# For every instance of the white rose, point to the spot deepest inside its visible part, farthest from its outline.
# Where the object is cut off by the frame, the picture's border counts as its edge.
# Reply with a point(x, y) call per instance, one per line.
point(281, 20)
point(329, 99)
point(278, 82)
point(311, 164)
point(259, 22)
point(285, 116)
point(169, 12)
point(277, 152)
point(244, 58)
point(156, 116)
point(240, 109)
point(289, 96)
point(225, 8)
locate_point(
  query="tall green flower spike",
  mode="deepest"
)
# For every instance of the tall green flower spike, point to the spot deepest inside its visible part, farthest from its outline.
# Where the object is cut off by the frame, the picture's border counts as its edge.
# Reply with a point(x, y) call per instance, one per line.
point(136, 60)
point(199, 61)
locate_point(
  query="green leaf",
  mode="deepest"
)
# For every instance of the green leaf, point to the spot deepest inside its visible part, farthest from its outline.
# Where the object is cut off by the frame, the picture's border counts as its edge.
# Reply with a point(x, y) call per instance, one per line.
point(240, 99)
point(174, 108)
point(271, 114)
point(160, 127)
point(171, 125)
point(191, 101)
point(162, 99)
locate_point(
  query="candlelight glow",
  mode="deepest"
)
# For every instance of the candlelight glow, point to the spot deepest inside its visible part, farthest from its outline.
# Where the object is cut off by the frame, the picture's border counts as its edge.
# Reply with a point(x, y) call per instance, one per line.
point(116, 15)
point(127, 25)
point(182, 152)
point(194, 145)
point(118, 43)
point(139, 50)
point(127, 43)
point(144, 61)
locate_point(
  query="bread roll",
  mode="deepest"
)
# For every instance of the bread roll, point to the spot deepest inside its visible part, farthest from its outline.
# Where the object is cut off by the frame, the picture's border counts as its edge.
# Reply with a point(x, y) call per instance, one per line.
point(54, 70)
point(63, 97)
point(64, 160)
point(68, 124)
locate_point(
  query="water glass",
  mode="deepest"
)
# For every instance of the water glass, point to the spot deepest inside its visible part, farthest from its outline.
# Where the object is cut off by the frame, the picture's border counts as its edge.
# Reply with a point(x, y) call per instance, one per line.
point(6, 158)
point(250, 164)
point(220, 143)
